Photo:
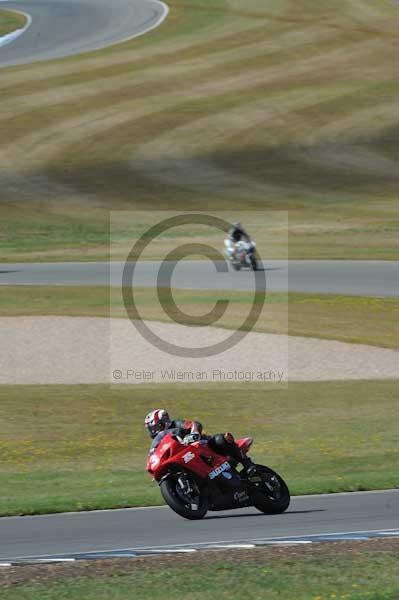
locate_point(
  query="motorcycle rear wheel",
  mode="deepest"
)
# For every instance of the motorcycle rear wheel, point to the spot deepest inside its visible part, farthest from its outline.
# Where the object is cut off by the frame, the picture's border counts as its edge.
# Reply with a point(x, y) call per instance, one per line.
point(175, 502)
point(271, 500)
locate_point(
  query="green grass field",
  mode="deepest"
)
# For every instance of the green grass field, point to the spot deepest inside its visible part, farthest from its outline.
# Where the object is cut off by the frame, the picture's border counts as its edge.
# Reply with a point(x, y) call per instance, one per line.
point(84, 447)
point(10, 21)
point(321, 316)
point(330, 572)
point(267, 105)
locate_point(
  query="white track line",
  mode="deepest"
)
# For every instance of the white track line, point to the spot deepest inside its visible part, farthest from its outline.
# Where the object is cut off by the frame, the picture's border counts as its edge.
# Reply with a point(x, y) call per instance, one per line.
point(50, 560)
point(286, 542)
point(161, 19)
point(155, 25)
point(229, 546)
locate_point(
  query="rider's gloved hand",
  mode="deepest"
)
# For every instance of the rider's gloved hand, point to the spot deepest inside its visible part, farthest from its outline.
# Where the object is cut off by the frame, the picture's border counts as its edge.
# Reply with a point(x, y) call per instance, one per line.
point(191, 438)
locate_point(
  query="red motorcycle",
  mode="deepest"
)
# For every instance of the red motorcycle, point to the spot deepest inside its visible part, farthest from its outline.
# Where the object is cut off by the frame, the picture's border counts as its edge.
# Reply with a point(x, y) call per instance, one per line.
point(194, 479)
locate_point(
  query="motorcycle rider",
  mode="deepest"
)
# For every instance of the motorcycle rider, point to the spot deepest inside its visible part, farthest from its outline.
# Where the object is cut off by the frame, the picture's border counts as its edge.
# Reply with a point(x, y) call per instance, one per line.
point(238, 233)
point(158, 424)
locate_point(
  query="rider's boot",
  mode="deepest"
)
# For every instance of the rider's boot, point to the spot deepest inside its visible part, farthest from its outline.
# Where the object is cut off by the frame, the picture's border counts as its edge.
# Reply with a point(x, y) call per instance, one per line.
point(240, 456)
point(250, 468)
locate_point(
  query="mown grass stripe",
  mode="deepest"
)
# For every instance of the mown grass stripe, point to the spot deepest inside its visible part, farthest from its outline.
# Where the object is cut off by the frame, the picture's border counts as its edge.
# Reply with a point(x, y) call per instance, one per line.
point(276, 50)
point(128, 65)
point(249, 79)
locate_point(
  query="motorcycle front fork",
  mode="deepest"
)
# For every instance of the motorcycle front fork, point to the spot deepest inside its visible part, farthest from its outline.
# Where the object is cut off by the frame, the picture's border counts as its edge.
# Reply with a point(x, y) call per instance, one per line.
point(187, 486)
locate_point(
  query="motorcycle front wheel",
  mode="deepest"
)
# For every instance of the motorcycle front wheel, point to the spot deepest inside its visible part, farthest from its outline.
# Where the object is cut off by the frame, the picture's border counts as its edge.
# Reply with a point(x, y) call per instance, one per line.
point(192, 507)
point(272, 495)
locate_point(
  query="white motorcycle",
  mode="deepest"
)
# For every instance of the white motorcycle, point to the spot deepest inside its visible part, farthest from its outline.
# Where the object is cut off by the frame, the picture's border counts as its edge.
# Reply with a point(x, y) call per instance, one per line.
point(240, 254)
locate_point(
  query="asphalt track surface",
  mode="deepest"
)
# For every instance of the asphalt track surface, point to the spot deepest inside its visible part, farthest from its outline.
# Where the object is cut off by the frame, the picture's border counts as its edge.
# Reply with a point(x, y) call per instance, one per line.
point(64, 27)
point(361, 278)
point(148, 528)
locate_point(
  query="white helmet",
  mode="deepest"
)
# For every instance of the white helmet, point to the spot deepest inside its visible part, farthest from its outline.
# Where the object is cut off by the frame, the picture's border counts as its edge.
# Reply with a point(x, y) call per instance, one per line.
point(157, 420)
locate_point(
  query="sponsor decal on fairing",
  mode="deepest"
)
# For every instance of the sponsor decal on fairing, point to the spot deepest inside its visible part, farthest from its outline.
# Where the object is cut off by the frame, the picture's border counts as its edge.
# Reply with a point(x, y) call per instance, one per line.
point(224, 467)
point(188, 456)
point(241, 496)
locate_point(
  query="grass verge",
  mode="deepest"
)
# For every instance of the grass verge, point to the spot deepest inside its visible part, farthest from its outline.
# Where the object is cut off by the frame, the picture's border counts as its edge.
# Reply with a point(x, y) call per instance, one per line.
point(313, 315)
point(360, 571)
point(84, 447)
point(10, 21)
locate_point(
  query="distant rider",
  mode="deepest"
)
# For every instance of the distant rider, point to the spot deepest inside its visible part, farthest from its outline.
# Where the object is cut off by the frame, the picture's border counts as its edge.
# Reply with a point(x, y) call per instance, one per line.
point(159, 424)
point(238, 233)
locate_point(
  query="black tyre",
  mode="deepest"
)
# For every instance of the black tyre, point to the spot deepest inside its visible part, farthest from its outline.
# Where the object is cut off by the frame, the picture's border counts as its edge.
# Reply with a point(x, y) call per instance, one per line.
point(193, 507)
point(272, 496)
point(236, 266)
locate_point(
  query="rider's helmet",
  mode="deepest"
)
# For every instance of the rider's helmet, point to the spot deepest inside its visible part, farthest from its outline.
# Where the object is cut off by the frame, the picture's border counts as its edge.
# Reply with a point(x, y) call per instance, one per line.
point(236, 225)
point(157, 420)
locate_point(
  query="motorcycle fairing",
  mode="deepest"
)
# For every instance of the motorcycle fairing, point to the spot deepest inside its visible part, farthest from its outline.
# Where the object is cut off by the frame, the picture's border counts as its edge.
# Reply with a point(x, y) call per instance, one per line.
point(215, 476)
